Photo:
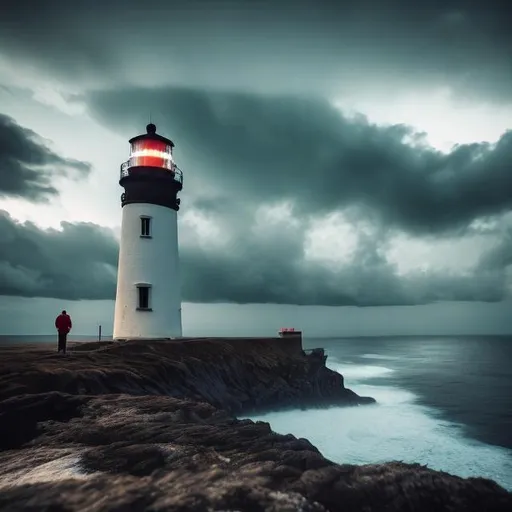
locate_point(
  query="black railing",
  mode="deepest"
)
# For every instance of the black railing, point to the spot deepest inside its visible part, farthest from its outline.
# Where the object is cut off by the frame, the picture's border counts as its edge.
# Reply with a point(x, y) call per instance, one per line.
point(176, 172)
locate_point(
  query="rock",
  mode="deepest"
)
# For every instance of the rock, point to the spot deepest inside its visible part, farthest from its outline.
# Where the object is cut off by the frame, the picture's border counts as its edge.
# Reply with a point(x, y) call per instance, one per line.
point(239, 376)
point(100, 431)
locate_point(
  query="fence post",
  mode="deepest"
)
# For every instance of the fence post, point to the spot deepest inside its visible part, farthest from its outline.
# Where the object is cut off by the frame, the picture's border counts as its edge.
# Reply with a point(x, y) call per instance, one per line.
point(99, 333)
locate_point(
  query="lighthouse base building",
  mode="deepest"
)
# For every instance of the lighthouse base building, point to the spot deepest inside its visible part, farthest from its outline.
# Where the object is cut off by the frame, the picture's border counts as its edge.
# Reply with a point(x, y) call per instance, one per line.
point(148, 296)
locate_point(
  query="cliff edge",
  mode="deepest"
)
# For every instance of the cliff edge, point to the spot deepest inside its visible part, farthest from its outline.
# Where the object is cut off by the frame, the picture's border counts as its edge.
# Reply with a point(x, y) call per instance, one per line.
point(150, 426)
point(238, 375)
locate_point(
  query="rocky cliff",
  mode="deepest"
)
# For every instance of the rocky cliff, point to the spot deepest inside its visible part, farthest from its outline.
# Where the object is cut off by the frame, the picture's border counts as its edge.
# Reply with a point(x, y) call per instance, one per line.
point(150, 426)
point(238, 375)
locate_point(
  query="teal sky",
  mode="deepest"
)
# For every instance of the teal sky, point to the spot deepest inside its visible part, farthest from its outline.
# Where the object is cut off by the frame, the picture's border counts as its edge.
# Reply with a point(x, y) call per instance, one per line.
point(347, 164)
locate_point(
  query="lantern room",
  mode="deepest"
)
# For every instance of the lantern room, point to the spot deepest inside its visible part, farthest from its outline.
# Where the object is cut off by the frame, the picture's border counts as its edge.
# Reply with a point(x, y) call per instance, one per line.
point(150, 150)
point(150, 153)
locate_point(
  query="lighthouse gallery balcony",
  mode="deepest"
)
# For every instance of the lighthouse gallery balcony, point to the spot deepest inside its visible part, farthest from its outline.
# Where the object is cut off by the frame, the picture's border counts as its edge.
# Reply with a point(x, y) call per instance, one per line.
point(130, 166)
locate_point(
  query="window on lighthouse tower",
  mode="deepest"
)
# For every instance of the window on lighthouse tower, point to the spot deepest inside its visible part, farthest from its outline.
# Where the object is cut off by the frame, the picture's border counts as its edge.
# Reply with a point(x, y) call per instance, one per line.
point(145, 227)
point(143, 299)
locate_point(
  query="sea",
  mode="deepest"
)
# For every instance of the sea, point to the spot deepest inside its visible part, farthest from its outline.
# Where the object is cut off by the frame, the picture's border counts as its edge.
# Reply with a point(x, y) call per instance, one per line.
point(444, 402)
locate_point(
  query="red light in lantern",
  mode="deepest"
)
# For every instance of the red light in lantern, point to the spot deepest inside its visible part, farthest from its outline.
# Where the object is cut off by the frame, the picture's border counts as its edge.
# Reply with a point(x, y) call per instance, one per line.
point(151, 153)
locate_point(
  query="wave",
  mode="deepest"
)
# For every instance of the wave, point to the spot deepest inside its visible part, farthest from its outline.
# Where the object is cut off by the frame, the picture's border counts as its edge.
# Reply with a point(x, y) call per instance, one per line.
point(378, 356)
point(395, 428)
point(356, 373)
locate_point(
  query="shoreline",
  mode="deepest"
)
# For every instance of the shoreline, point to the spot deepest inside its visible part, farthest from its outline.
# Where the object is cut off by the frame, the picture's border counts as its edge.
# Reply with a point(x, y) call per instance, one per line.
point(153, 425)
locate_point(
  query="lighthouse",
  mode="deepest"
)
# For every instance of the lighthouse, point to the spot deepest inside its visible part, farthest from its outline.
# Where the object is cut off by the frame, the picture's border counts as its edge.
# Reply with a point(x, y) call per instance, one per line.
point(148, 296)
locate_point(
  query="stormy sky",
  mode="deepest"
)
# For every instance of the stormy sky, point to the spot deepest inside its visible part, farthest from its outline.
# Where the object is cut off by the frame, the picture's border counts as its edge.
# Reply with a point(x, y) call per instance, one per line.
point(346, 163)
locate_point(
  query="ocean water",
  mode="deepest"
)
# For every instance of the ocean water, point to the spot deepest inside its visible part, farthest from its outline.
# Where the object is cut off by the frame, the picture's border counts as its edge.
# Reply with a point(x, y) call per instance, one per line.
point(443, 402)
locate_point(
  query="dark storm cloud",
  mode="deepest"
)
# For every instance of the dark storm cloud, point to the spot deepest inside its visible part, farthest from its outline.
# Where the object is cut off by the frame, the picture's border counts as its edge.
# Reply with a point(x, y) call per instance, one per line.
point(27, 165)
point(267, 44)
point(262, 266)
point(265, 148)
point(500, 255)
point(78, 262)
point(270, 268)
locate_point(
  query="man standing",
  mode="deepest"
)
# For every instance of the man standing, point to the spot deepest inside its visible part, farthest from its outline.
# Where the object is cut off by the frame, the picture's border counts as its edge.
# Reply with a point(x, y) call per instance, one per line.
point(63, 325)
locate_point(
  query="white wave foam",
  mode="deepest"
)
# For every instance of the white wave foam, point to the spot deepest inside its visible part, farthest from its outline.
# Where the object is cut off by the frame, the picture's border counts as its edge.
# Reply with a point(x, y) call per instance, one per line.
point(356, 372)
point(378, 356)
point(396, 428)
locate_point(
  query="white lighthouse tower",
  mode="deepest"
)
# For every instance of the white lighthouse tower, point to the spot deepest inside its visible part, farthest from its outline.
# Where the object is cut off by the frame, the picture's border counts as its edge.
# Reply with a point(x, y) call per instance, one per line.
point(148, 297)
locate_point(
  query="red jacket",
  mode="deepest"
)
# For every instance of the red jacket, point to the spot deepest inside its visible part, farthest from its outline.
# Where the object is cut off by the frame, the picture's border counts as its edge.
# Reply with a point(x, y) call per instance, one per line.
point(63, 323)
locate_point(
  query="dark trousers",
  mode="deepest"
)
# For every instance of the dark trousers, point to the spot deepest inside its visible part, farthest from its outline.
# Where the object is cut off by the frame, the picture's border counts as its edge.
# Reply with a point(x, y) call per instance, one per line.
point(63, 338)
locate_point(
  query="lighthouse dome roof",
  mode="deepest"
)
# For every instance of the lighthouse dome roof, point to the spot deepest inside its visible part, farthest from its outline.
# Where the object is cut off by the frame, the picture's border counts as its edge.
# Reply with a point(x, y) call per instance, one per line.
point(151, 135)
